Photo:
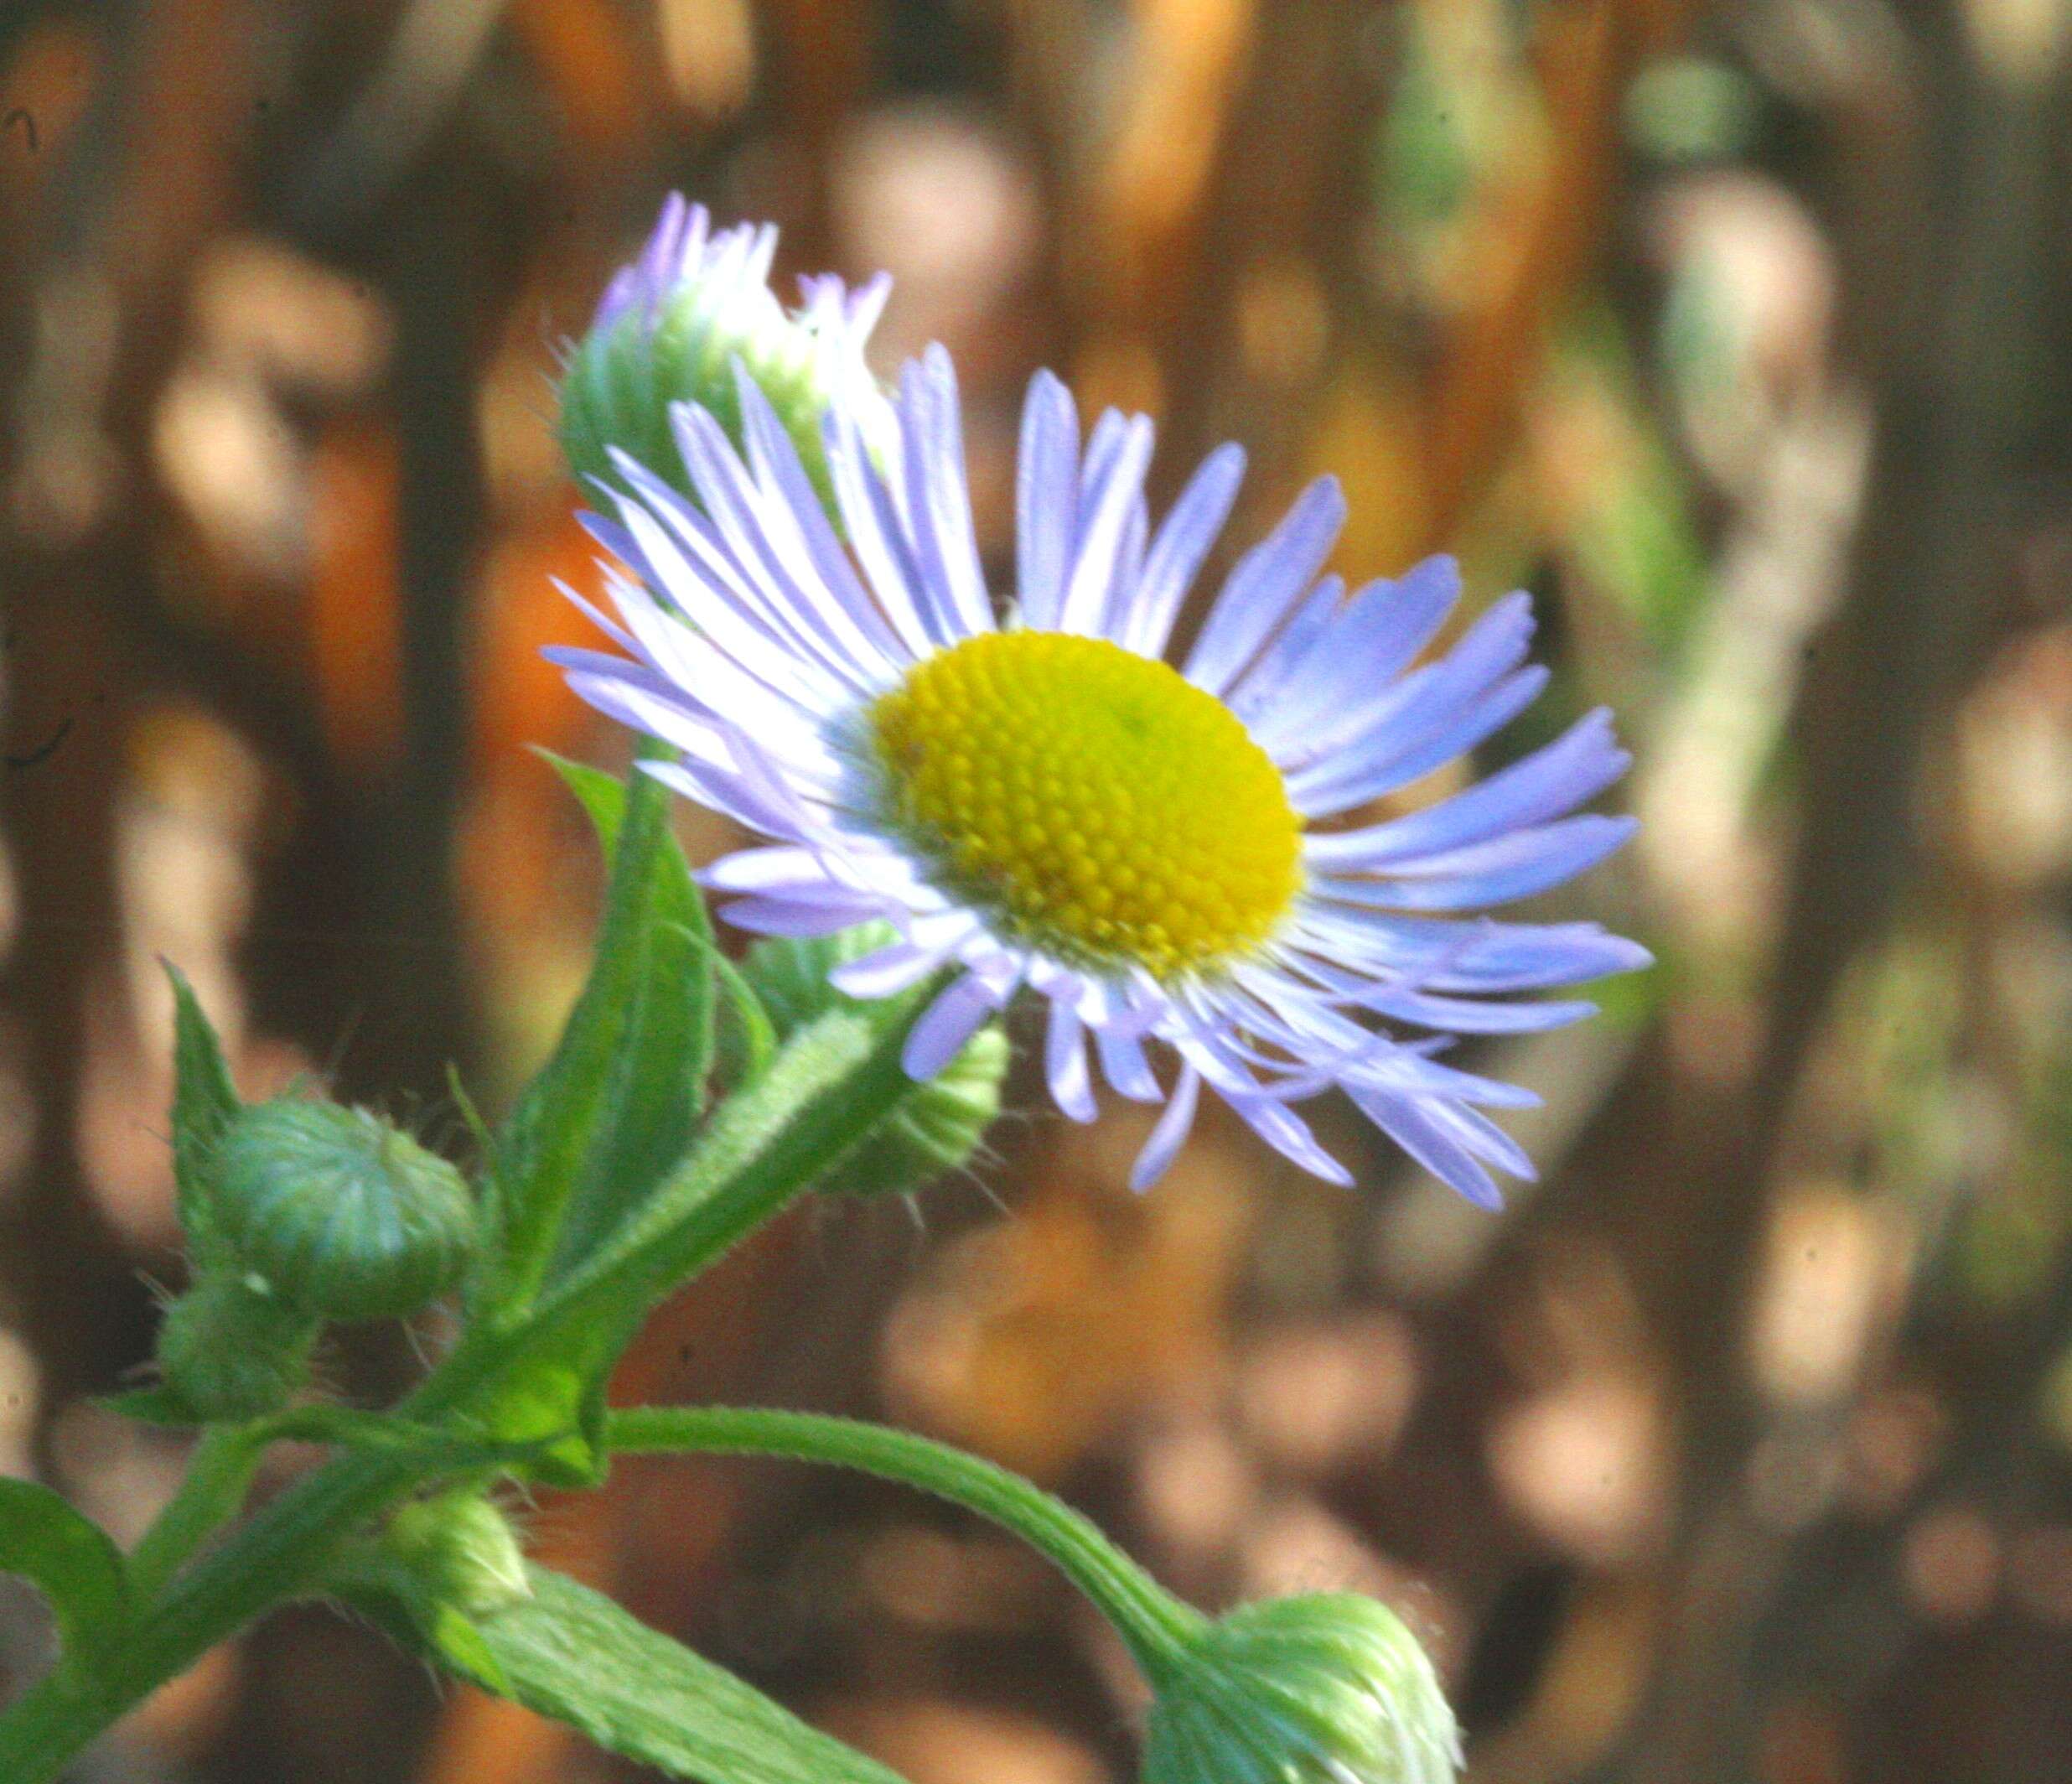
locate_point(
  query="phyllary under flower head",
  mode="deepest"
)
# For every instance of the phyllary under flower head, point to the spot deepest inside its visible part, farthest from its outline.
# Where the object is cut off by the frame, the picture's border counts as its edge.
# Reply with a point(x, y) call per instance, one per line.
point(673, 326)
point(1172, 856)
point(1324, 1688)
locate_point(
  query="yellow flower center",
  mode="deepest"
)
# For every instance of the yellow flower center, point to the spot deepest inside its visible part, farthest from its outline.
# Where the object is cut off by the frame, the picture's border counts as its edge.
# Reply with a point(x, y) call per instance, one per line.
point(1096, 802)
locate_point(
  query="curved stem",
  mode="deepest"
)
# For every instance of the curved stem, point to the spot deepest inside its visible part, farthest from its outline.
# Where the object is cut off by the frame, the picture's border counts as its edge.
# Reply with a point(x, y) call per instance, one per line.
point(1156, 1625)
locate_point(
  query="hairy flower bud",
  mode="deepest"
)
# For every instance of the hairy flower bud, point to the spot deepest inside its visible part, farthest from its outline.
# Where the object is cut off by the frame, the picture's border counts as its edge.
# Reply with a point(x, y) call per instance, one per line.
point(671, 328)
point(1324, 1688)
point(230, 1349)
point(941, 1122)
point(337, 1213)
point(459, 1549)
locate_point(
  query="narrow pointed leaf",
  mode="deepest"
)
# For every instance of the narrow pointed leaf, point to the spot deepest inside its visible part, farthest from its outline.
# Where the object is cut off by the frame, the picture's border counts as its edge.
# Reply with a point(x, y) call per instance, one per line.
point(204, 1101)
point(614, 1108)
point(571, 1654)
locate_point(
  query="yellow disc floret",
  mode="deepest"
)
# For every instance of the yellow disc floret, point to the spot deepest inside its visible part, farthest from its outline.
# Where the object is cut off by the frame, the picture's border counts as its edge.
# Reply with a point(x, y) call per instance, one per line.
point(1096, 802)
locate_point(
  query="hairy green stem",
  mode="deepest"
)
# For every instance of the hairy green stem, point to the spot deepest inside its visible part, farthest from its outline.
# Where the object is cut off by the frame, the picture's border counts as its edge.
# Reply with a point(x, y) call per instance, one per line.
point(219, 1474)
point(1157, 1626)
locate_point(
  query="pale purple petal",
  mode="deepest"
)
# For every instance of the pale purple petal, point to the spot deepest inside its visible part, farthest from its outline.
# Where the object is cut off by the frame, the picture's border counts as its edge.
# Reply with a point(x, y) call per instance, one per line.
point(1266, 585)
point(1349, 778)
point(938, 510)
point(1410, 1121)
point(1371, 639)
point(1170, 1132)
point(1177, 554)
point(887, 971)
point(804, 916)
point(1123, 1063)
point(1106, 512)
point(1579, 764)
point(945, 1026)
point(1288, 1134)
point(1064, 1063)
point(1046, 499)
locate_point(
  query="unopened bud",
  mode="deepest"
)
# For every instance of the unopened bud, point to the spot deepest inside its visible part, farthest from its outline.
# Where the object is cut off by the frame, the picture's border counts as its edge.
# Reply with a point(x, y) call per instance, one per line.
point(459, 1549)
point(337, 1213)
point(1324, 1688)
point(671, 328)
point(231, 1348)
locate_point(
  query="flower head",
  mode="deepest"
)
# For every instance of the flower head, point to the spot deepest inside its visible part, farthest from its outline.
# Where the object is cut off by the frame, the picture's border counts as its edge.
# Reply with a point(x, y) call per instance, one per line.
point(671, 325)
point(1034, 798)
point(1326, 1689)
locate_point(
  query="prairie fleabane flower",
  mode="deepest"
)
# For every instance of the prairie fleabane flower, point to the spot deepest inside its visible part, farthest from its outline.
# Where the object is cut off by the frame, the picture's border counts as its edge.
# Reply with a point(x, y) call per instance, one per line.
point(1036, 798)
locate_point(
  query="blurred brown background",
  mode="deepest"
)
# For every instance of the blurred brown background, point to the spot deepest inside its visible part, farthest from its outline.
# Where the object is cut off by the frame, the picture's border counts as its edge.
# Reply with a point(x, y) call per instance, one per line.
point(1740, 334)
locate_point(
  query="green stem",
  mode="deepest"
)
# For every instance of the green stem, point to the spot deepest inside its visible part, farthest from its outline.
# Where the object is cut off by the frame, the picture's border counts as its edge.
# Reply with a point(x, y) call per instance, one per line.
point(219, 1474)
point(1156, 1625)
point(827, 1088)
point(830, 1087)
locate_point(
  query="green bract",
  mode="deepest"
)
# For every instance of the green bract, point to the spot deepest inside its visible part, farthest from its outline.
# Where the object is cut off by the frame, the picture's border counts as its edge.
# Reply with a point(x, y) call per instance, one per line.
point(941, 1124)
point(460, 1549)
point(339, 1213)
point(1326, 1689)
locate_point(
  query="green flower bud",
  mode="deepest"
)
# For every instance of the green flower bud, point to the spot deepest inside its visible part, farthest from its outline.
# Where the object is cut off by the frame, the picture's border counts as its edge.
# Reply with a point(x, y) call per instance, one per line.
point(337, 1213)
point(939, 1124)
point(1326, 1689)
point(670, 329)
point(459, 1549)
point(231, 1350)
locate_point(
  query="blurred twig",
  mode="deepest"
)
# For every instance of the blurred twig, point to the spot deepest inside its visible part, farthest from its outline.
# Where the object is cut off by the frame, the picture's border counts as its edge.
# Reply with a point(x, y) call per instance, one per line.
point(1950, 188)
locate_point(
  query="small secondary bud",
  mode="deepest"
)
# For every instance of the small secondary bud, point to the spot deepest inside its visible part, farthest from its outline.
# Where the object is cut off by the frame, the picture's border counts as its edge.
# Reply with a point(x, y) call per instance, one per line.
point(1324, 1688)
point(939, 1124)
point(672, 325)
point(459, 1549)
point(231, 1350)
point(339, 1213)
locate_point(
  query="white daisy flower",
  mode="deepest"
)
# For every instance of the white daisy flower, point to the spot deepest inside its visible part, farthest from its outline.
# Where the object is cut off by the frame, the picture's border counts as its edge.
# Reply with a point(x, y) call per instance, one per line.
point(1041, 803)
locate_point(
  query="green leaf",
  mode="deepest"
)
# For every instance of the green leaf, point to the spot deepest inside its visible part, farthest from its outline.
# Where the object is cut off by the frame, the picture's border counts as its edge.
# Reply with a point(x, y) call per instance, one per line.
point(742, 1056)
point(571, 1654)
point(204, 1101)
point(68, 1557)
point(156, 1405)
point(614, 1108)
